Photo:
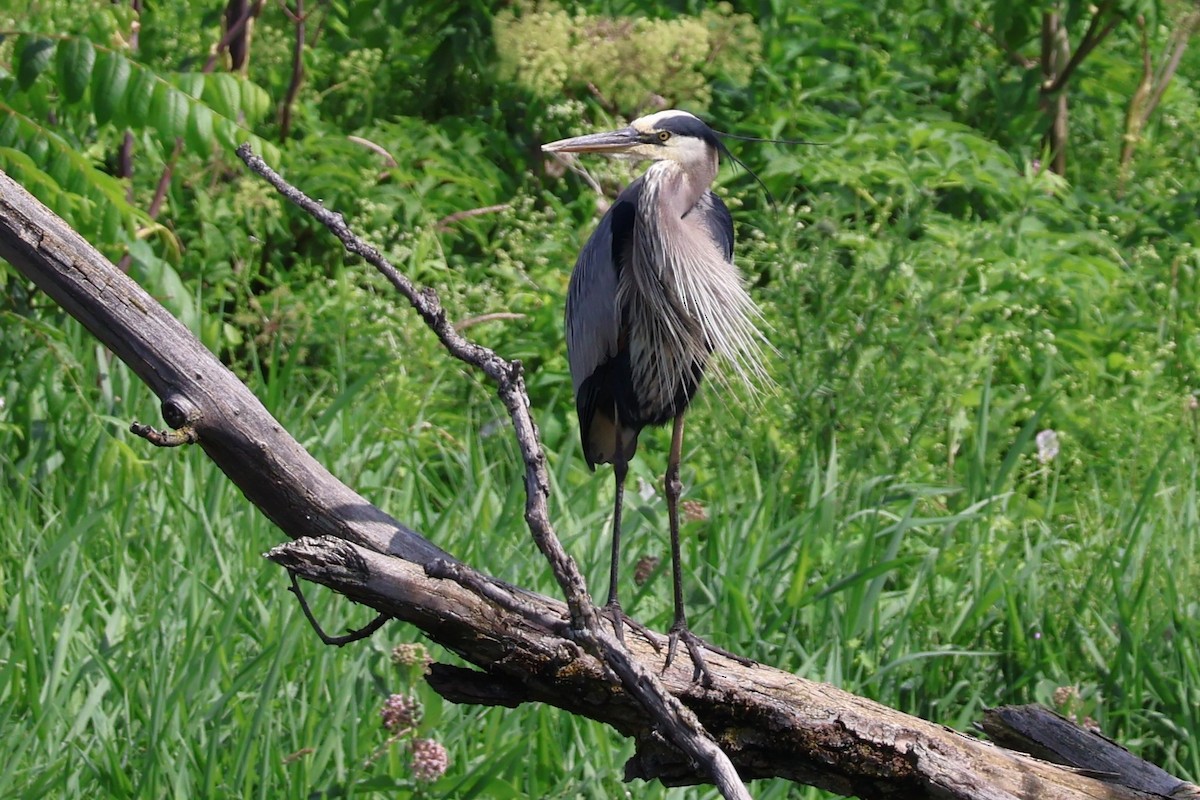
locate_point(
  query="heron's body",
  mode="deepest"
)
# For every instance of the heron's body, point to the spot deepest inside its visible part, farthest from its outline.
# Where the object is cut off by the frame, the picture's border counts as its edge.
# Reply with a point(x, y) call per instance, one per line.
point(654, 295)
point(646, 371)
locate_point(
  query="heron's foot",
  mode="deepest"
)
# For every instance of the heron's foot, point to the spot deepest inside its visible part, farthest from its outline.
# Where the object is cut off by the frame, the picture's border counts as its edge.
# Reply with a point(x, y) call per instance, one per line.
point(620, 619)
point(694, 645)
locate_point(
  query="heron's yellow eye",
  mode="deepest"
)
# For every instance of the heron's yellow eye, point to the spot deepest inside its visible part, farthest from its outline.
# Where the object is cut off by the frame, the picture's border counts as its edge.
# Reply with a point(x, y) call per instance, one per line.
point(664, 135)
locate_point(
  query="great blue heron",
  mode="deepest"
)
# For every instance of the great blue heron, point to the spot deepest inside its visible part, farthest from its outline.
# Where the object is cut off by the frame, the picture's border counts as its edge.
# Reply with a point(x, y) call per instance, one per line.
point(653, 296)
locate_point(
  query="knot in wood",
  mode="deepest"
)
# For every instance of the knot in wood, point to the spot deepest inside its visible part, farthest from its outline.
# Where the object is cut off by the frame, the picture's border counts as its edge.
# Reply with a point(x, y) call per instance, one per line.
point(178, 410)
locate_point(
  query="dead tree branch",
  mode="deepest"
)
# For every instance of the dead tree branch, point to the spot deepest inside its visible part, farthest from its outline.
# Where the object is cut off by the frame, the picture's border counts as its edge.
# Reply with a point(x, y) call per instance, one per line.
point(1042, 733)
point(199, 394)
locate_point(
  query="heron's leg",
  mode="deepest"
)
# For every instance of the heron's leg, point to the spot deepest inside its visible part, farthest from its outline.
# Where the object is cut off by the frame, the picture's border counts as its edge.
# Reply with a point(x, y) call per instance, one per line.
point(613, 605)
point(674, 488)
point(620, 470)
point(679, 628)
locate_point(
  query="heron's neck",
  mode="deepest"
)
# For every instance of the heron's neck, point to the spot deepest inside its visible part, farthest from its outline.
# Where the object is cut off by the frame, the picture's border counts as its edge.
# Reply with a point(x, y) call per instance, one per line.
point(681, 185)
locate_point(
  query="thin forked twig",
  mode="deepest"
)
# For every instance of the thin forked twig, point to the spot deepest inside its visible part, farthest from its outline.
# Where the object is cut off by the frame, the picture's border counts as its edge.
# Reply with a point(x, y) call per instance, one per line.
point(335, 641)
point(674, 721)
point(1092, 37)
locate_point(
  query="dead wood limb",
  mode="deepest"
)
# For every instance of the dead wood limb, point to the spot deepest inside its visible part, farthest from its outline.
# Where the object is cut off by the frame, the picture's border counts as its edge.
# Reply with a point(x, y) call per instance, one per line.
point(527, 647)
point(771, 723)
point(1040, 732)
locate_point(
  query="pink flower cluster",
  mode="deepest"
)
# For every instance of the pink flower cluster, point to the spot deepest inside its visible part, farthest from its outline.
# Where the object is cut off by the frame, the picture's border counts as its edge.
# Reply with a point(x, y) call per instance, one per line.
point(400, 713)
point(429, 760)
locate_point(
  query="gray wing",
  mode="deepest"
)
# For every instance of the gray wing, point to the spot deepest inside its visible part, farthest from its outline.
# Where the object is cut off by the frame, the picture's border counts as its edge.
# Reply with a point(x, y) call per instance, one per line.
point(593, 318)
point(595, 330)
point(716, 217)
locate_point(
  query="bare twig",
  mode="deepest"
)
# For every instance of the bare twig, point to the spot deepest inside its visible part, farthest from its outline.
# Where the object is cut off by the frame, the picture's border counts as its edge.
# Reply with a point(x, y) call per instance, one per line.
point(299, 18)
point(125, 153)
point(1175, 49)
point(1091, 38)
point(334, 641)
point(164, 181)
point(1058, 66)
point(675, 721)
point(185, 435)
point(1056, 51)
point(569, 161)
point(1150, 90)
point(388, 158)
point(239, 46)
point(233, 30)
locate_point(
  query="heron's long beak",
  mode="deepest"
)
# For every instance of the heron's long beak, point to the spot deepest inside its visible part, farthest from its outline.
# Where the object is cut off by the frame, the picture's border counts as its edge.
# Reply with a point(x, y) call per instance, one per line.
point(609, 142)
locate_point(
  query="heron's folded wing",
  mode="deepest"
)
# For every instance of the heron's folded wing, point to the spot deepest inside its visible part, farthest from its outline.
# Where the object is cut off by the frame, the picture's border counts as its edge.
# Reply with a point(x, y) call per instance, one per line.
point(594, 325)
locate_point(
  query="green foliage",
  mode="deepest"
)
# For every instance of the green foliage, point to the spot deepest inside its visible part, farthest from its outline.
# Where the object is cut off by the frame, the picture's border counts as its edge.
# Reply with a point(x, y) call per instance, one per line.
point(102, 91)
point(628, 62)
point(884, 519)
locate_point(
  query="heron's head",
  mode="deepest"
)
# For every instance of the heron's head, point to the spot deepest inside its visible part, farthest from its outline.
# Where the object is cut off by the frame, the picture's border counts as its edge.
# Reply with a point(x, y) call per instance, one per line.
point(671, 135)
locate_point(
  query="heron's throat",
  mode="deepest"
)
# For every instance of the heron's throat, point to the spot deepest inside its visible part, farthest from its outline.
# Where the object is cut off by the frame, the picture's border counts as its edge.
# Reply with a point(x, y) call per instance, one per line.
point(676, 187)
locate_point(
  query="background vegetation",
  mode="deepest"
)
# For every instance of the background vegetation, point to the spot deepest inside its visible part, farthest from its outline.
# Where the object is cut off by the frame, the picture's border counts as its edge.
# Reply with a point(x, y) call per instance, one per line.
point(946, 276)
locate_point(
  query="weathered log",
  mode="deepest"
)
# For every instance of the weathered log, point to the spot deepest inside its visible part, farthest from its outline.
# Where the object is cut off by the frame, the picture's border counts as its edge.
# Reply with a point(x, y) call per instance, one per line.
point(1042, 733)
point(771, 723)
point(527, 647)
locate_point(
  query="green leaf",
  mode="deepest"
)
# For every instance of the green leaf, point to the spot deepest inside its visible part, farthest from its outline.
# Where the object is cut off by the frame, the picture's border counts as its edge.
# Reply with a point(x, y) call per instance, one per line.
point(200, 129)
point(161, 280)
point(229, 135)
point(110, 79)
point(139, 98)
point(25, 170)
point(112, 223)
point(169, 113)
point(190, 83)
point(10, 128)
point(256, 103)
point(59, 167)
point(221, 91)
point(75, 59)
point(32, 60)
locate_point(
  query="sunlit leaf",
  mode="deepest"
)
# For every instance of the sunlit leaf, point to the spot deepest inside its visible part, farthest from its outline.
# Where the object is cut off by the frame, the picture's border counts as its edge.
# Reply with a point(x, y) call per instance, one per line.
point(33, 57)
point(75, 58)
point(110, 81)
